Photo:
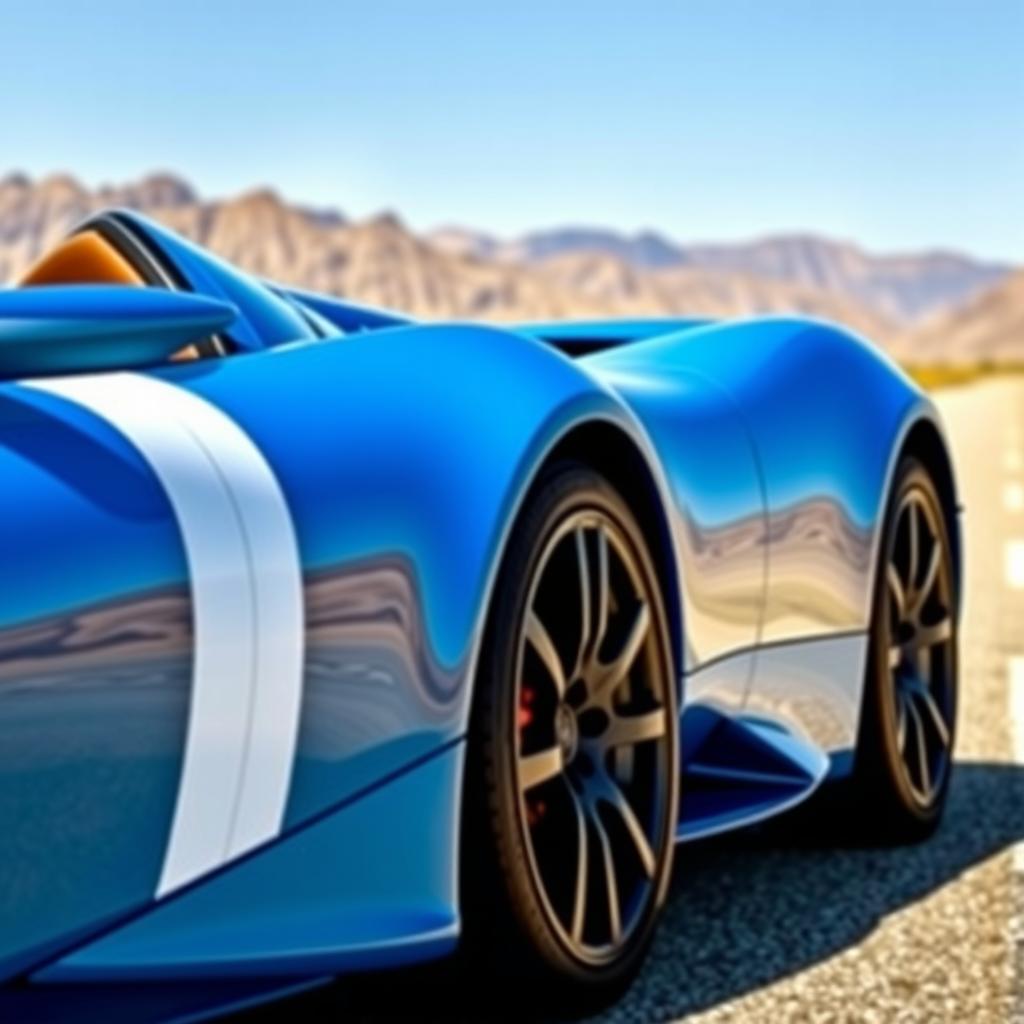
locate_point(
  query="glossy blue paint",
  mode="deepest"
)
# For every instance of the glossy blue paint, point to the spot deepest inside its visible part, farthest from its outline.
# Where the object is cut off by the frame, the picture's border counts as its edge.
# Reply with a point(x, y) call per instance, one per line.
point(346, 317)
point(397, 581)
point(95, 661)
point(340, 894)
point(76, 328)
point(265, 319)
point(743, 769)
point(824, 414)
point(717, 511)
point(825, 458)
point(109, 528)
point(404, 453)
point(423, 542)
point(833, 371)
point(610, 330)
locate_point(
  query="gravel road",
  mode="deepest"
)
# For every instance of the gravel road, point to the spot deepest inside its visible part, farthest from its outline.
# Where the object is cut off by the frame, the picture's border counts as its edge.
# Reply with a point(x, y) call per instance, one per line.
point(779, 924)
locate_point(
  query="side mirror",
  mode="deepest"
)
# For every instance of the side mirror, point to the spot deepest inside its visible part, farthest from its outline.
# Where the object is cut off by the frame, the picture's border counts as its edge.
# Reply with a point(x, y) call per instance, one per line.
point(86, 328)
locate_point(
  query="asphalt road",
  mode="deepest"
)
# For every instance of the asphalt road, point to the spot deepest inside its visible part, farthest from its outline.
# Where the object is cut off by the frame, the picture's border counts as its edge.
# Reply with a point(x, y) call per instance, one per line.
point(781, 924)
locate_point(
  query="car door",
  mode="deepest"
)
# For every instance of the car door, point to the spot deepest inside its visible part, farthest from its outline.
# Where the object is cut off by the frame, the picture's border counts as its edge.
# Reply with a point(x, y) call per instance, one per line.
point(717, 513)
point(822, 408)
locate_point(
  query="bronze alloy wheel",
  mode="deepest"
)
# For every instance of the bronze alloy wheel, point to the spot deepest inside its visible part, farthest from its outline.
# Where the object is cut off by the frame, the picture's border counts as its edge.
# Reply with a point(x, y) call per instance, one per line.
point(908, 720)
point(920, 618)
point(573, 752)
point(592, 735)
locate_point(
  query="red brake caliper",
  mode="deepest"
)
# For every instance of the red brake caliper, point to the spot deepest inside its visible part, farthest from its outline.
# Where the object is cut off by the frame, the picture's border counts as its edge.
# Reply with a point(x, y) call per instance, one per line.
point(526, 698)
point(535, 809)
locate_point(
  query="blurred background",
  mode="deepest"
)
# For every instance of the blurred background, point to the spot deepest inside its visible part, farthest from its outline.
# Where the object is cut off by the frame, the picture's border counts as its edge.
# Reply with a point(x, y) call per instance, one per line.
point(859, 161)
point(862, 162)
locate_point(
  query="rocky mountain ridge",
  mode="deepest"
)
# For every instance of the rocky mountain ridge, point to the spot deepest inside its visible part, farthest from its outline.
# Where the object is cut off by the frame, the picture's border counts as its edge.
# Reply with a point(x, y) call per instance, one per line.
point(903, 288)
point(462, 275)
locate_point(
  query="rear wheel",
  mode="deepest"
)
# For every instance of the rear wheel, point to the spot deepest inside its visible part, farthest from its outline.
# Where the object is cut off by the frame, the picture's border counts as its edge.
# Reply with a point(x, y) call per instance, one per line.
point(573, 763)
point(905, 748)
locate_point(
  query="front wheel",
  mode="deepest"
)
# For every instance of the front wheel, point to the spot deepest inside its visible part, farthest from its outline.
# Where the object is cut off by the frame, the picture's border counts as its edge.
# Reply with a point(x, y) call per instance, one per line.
point(573, 764)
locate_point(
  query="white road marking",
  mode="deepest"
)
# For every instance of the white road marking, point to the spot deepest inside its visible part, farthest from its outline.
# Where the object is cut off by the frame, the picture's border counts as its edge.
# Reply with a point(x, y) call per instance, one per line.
point(246, 584)
point(1014, 558)
point(1013, 497)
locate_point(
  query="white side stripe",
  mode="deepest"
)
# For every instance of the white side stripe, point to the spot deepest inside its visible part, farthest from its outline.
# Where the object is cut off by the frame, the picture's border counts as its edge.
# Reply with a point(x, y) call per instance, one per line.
point(276, 571)
point(246, 581)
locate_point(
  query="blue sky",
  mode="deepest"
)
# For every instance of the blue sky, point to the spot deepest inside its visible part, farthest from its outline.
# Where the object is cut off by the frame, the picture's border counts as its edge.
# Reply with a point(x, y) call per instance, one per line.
point(899, 124)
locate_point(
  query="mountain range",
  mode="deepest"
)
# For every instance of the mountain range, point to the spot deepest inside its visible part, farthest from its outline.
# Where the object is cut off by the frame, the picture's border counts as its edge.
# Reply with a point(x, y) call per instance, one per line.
point(902, 287)
point(912, 303)
point(987, 329)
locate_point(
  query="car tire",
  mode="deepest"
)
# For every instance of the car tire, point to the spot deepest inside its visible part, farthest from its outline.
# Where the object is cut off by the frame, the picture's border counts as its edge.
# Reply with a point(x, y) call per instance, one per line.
point(904, 755)
point(572, 769)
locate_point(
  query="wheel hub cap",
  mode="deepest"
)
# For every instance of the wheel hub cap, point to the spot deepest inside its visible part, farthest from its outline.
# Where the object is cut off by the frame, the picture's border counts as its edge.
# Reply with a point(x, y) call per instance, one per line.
point(566, 733)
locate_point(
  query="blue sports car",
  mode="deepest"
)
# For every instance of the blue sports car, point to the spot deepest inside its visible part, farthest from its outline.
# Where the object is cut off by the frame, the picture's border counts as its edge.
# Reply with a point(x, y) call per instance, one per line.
point(333, 641)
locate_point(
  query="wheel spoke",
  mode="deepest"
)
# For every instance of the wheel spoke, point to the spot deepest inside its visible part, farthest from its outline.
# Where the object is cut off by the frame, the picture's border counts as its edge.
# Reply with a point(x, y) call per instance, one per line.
point(901, 721)
point(610, 881)
point(612, 795)
point(611, 673)
point(931, 575)
point(604, 593)
point(623, 764)
point(535, 769)
point(914, 544)
point(542, 643)
point(922, 749)
point(631, 729)
point(935, 633)
point(895, 656)
point(924, 696)
point(579, 906)
point(896, 589)
point(923, 663)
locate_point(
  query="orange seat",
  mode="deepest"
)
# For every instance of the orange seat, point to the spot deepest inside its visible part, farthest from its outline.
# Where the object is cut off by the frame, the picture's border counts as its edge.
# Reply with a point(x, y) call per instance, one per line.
point(88, 258)
point(85, 258)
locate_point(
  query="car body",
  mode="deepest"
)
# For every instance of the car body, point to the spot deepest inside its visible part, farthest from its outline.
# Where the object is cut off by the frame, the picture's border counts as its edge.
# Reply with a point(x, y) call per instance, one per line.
point(245, 598)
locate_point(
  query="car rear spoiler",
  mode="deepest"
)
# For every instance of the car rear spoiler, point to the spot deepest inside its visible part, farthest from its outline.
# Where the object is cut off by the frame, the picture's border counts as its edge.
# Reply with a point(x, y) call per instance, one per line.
point(58, 329)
